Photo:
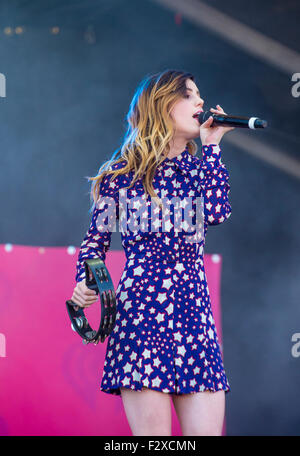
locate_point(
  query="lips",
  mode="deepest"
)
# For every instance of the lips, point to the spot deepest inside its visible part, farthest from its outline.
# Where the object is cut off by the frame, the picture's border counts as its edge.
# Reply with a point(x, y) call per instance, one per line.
point(197, 113)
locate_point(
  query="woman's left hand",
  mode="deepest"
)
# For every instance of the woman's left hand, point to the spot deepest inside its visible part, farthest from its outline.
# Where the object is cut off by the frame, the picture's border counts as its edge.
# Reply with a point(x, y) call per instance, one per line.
point(213, 135)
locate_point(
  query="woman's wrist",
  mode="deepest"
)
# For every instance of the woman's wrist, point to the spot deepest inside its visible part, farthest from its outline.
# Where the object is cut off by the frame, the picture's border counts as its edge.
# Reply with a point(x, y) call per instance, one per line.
point(211, 153)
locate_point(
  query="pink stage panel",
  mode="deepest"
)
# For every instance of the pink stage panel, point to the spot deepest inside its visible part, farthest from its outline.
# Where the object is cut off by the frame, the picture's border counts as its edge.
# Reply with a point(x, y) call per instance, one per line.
point(49, 380)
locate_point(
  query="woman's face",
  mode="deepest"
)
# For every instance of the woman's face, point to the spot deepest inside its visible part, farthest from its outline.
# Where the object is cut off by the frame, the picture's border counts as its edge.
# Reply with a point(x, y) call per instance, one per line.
point(186, 126)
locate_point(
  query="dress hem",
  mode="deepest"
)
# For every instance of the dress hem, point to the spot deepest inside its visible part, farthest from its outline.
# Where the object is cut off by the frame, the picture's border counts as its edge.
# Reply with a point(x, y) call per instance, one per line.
point(115, 391)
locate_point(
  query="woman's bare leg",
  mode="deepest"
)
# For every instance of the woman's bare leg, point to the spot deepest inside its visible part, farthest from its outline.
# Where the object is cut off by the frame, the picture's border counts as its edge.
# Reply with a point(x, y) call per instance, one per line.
point(148, 411)
point(200, 413)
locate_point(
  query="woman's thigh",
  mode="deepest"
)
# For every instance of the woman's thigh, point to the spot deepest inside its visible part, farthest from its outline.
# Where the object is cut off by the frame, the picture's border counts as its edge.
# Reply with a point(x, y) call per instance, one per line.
point(148, 411)
point(200, 413)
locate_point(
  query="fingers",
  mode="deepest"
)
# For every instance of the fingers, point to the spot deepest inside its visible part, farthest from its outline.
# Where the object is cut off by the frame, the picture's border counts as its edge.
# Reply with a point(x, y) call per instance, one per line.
point(207, 122)
point(77, 300)
point(86, 293)
point(82, 302)
point(219, 110)
point(83, 296)
point(86, 290)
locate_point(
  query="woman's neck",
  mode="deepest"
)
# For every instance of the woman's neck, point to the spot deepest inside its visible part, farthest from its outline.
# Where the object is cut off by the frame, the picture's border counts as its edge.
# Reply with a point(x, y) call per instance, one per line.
point(176, 148)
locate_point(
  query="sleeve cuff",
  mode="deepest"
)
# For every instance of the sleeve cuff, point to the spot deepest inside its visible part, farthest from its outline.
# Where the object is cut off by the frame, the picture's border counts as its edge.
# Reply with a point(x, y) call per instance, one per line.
point(211, 153)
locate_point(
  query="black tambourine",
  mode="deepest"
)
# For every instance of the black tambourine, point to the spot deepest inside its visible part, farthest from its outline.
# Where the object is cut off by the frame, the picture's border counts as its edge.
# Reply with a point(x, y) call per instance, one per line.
point(99, 280)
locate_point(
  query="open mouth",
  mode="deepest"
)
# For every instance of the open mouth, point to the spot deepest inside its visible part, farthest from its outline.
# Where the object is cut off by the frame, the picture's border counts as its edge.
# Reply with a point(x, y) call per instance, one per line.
point(197, 113)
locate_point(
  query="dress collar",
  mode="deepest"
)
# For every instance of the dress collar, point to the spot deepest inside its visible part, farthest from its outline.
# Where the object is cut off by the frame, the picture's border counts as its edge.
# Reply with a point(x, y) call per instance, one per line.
point(183, 161)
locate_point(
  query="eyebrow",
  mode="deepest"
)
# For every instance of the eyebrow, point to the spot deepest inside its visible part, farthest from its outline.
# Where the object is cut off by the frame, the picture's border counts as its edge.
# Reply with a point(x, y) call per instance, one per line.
point(192, 91)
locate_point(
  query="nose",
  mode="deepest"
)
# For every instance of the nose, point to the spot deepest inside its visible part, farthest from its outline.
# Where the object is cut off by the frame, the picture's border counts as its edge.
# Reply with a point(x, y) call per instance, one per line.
point(200, 102)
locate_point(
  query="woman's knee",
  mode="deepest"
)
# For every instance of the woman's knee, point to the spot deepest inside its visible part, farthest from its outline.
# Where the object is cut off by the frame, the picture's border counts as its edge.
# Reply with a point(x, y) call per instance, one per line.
point(200, 413)
point(148, 411)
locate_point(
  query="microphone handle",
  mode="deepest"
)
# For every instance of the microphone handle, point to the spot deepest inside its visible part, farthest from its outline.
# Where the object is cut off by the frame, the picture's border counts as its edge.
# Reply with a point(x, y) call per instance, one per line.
point(233, 121)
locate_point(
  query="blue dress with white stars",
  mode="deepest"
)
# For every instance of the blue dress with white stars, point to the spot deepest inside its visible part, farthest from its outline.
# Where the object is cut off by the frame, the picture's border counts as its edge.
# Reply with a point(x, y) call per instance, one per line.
point(165, 337)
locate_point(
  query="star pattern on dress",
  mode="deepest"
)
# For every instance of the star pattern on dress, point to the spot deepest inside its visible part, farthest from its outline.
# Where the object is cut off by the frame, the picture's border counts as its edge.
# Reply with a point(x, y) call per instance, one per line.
point(164, 336)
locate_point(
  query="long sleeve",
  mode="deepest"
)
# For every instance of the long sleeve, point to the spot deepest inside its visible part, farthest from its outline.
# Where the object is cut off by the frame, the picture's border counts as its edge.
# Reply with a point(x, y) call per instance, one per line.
point(214, 182)
point(98, 237)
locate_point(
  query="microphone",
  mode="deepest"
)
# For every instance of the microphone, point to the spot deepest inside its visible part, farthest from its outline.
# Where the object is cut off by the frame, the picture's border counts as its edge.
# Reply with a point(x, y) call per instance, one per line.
point(231, 121)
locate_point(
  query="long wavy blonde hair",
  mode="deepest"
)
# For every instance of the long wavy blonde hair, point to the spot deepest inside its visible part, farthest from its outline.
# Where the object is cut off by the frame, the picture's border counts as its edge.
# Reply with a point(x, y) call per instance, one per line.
point(150, 130)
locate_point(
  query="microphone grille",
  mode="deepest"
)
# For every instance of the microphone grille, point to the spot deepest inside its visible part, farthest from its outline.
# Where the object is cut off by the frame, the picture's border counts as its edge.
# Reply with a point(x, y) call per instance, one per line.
point(203, 116)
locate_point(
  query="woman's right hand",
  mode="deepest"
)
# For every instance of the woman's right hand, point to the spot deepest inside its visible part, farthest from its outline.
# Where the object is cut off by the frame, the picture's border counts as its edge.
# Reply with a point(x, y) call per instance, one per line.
point(213, 135)
point(83, 296)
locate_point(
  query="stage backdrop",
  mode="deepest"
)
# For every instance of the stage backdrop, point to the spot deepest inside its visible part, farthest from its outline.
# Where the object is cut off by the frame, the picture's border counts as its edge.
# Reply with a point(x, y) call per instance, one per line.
point(49, 380)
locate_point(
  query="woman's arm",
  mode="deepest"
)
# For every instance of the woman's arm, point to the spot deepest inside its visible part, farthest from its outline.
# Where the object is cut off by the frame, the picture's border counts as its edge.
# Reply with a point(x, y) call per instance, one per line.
point(98, 237)
point(215, 187)
point(214, 176)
